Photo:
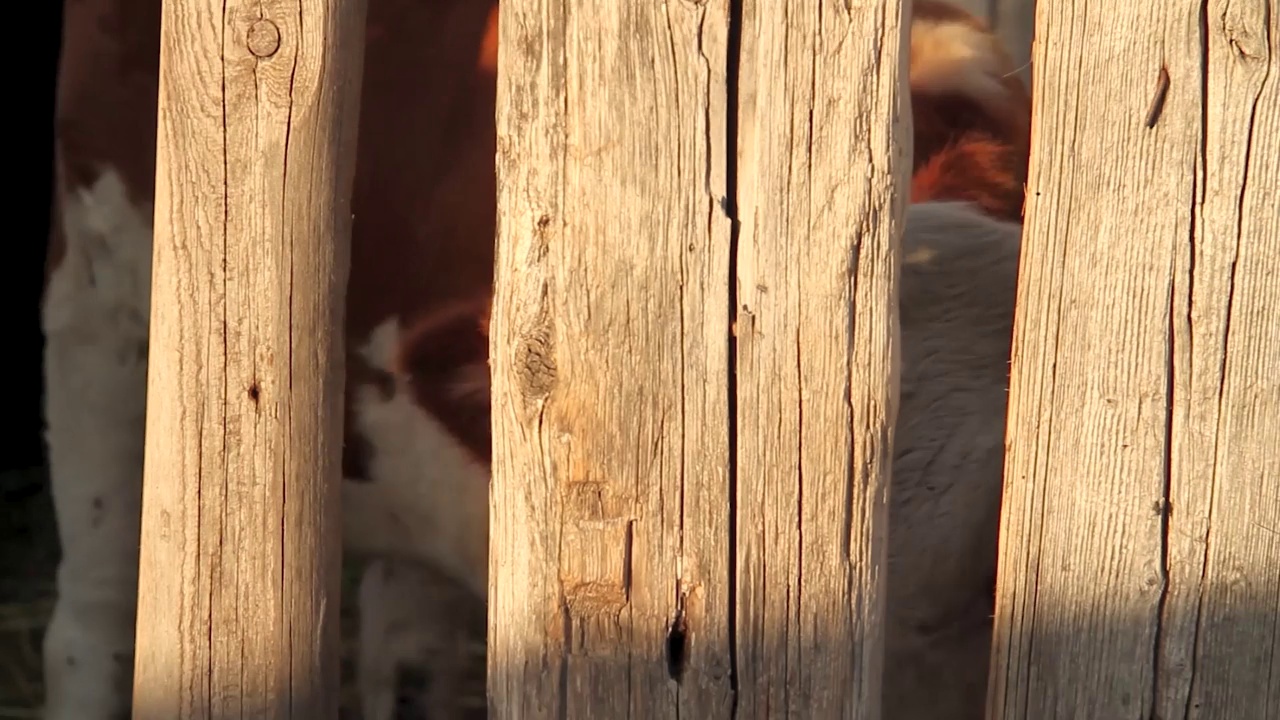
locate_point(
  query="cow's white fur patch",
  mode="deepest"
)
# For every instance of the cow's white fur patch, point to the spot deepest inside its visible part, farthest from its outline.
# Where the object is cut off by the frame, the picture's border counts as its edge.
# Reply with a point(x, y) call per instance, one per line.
point(415, 650)
point(957, 293)
point(428, 497)
point(95, 316)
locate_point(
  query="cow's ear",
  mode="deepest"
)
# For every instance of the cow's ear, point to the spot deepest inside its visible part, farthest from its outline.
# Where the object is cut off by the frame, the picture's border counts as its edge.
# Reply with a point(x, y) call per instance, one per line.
point(445, 357)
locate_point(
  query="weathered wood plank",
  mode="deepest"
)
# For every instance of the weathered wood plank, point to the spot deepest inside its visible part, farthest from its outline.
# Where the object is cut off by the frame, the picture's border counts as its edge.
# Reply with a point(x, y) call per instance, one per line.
point(822, 178)
point(610, 500)
point(1139, 552)
point(238, 594)
point(612, 365)
point(1220, 631)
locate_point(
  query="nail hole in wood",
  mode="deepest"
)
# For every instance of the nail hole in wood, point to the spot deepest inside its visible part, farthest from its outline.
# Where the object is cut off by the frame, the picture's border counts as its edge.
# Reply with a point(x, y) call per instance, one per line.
point(677, 646)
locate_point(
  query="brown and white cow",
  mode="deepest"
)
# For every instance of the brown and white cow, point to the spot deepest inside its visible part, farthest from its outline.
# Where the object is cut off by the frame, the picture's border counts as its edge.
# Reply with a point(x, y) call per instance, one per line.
point(417, 451)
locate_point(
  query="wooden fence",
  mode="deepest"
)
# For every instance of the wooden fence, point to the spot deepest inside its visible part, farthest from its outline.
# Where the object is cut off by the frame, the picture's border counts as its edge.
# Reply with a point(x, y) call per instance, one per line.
point(239, 569)
point(1140, 553)
point(688, 423)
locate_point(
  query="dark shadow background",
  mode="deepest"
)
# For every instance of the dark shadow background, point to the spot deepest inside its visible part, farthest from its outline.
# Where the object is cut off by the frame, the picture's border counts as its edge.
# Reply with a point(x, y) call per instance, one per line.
point(23, 446)
point(28, 539)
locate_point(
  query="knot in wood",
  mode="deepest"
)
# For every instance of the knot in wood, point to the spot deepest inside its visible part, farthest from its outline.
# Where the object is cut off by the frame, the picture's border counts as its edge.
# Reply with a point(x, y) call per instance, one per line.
point(264, 38)
point(536, 364)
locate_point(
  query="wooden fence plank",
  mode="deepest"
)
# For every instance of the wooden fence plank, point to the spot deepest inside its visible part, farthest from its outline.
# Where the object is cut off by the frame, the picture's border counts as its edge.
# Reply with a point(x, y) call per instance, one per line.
point(238, 596)
point(610, 491)
point(1139, 553)
point(613, 549)
point(821, 179)
point(1220, 630)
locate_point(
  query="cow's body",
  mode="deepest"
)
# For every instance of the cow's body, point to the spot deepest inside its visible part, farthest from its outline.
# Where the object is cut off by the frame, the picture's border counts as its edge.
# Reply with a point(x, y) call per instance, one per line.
point(416, 455)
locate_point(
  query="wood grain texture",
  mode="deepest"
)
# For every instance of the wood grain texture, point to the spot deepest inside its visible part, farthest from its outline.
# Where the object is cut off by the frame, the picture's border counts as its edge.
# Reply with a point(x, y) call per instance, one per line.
point(1139, 548)
point(610, 500)
point(616, 476)
point(824, 136)
point(237, 608)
